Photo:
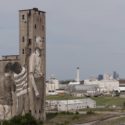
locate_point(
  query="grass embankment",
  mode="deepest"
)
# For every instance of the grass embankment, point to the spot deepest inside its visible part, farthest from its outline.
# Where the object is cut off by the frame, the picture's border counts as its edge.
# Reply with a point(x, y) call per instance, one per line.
point(114, 121)
point(27, 119)
point(62, 97)
point(66, 118)
point(72, 119)
point(109, 101)
point(100, 101)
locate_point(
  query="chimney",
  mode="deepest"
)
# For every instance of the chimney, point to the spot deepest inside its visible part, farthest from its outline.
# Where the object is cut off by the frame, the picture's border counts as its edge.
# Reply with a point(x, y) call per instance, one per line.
point(77, 75)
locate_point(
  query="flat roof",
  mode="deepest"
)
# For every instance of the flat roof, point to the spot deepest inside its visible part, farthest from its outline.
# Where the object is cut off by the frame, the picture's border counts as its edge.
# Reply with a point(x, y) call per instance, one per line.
point(9, 55)
point(35, 9)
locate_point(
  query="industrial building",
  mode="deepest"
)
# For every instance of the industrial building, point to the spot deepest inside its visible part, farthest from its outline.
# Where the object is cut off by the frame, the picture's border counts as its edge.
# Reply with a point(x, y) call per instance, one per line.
point(105, 86)
point(82, 90)
point(31, 25)
point(52, 86)
point(70, 105)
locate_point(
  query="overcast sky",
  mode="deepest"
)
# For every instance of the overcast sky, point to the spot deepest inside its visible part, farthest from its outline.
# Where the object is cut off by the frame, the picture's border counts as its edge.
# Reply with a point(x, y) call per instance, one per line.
point(85, 33)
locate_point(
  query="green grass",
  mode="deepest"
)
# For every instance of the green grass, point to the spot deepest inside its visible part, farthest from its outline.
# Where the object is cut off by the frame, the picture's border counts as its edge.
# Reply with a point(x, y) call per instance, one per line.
point(66, 118)
point(109, 101)
point(117, 121)
point(70, 118)
point(27, 119)
point(100, 101)
point(62, 97)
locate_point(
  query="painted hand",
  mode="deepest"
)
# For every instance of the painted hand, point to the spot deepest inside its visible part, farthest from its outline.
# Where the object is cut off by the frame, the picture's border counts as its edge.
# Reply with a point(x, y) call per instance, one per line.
point(37, 94)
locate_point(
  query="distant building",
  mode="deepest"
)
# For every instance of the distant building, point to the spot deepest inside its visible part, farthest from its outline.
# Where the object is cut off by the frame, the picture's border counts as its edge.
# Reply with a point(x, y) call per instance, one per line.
point(77, 80)
point(74, 83)
point(115, 75)
point(122, 85)
point(70, 105)
point(83, 90)
point(52, 86)
point(107, 76)
point(100, 77)
point(105, 86)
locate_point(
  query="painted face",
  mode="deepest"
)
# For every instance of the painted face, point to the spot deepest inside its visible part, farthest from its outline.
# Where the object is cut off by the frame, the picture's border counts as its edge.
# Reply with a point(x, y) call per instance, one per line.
point(39, 43)
point(8, 74)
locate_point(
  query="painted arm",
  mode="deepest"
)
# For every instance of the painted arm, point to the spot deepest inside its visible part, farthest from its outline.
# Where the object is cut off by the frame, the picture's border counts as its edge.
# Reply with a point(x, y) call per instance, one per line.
point(31, 76)
point(33, 84)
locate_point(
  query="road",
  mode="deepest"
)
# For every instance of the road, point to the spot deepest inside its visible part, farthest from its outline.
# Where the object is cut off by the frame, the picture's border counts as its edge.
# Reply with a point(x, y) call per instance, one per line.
point(90, 123)
point(97, 122)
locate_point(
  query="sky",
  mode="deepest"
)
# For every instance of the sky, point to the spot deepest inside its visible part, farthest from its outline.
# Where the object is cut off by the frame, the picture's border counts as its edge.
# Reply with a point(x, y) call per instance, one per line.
point(89, 34)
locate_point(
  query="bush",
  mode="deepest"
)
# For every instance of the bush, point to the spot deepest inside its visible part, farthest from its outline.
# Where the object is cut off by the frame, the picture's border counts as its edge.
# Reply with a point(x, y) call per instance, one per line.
point(66, 123)
point(51, 115)
point(123, 105)
point(77, 113)
point(66, 113)
point(27, 119)
point(75, 117)
point(90, 112)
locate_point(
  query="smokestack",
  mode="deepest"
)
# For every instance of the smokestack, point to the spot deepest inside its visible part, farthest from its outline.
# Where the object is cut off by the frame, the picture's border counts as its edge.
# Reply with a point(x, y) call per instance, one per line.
point(77, 75)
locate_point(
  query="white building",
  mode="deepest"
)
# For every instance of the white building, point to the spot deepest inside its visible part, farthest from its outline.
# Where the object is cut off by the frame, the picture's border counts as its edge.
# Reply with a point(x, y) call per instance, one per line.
point(107, 77)
point(51, 86)
point(77, 80)
point(122, 85)
point(70, 105)
point(104, 85)
point(83, 90)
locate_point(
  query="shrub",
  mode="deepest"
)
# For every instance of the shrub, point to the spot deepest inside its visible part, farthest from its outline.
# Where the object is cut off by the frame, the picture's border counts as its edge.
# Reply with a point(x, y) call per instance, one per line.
point(90, 112)
point(123, 105)
point(51, 115)
point(27, 119)
point(77, 113)
point(75, 117)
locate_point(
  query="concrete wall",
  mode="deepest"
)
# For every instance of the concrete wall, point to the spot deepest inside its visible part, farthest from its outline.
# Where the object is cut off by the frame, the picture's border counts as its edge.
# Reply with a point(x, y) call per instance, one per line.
point(31, 25)
point(71, 105)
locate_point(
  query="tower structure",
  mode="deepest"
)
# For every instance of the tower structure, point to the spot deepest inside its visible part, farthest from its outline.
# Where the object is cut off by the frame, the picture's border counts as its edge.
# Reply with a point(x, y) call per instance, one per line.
point(77, 75)
point(31, 26)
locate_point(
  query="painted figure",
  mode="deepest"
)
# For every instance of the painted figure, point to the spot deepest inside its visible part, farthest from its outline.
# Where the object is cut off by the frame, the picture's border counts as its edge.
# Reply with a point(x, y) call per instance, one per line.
point(7, 92)
point(36, 81)
point(22, 96)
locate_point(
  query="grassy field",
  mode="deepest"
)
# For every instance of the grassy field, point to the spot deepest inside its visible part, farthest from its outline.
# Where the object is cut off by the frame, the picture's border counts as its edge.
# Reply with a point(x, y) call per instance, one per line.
point(62, 97)
point(115, 121)
point(109, 101)
point(100, 101)
point(70, 118)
